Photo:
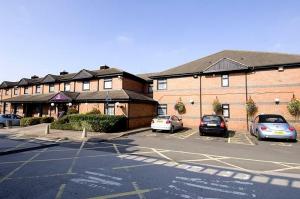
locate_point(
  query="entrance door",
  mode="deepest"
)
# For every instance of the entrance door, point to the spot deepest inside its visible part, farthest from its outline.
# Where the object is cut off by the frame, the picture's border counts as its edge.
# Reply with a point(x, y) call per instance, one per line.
point(62, 110)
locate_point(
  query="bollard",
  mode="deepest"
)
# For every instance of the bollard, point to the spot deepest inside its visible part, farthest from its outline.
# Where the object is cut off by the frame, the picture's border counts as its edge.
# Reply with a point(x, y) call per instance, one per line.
point(47, 130)
point(84, 134)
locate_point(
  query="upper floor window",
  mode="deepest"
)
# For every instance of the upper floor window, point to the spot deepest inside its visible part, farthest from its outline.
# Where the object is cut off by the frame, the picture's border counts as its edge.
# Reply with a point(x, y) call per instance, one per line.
point(162, 109)
point(162, 84)
point(109, 109)
point(225, 110)
point(86, 85)
point(16, 89)
point(108, 84)
point(67, 87)
point(38, 89)
point(51, 88)
point(225, 80)
point(6, 91)
point(150, 88)
point(26, 90)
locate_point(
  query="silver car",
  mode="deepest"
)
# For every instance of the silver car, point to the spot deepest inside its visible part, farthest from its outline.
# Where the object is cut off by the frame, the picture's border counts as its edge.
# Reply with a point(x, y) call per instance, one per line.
point(272, 126)
point(167, 123)
point(15, 119)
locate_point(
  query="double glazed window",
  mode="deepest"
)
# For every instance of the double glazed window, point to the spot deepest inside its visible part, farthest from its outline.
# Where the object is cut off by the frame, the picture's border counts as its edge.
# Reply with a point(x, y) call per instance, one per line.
point(162, 109)
point(225, 110)
point(107, 83)
point(162, 84)
point(26, 90)
point(150, 88)
point(225, 80)
point(86, 85)
point(67, 87)
point(51, 88)
point(38, 89)
point(109, 109)
point(6, 91)
point(16, 90)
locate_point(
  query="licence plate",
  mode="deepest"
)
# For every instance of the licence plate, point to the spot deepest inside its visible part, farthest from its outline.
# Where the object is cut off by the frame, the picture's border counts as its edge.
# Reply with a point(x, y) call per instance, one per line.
point(279, 132)
point(211, 124)
point(159, 121)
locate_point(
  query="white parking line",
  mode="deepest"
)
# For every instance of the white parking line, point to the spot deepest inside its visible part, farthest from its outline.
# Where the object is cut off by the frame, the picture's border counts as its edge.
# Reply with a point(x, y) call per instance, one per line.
point(162, 155)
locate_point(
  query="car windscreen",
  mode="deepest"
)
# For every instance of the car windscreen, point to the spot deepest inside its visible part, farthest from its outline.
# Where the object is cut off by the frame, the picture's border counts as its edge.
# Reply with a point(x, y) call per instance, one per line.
point(211, 118)
point(162, 117)
point(271, 119)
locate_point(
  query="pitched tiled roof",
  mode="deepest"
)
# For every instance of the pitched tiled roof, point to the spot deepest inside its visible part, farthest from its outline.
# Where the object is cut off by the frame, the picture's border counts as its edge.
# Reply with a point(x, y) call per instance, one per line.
point(7, 84)
point(146, 76)
point(31, 98)
point(248, 58)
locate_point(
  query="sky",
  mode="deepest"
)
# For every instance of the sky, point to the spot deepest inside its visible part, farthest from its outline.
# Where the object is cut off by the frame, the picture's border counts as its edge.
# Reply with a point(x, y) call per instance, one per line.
point(40, 37)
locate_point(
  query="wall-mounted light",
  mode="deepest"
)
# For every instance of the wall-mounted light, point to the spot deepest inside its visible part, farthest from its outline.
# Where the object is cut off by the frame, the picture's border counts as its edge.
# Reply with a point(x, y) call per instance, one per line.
point(277, 101)
point(280, 68)
point(52, 104)
point(195, 76)
point(192, 101)
point(119, 105)
point(120, 77)
point(70, 104)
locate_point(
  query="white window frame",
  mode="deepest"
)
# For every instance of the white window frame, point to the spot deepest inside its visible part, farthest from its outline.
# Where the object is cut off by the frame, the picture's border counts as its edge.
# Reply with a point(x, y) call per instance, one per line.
point(86, 85)
point(38, 89)
point(226, 110)
point(51, 86)
point(16, 91)
point(162, 109)
point(67, 85)
point(106, 84)
point(225, 80)
point(109, 109)
point(162, 84)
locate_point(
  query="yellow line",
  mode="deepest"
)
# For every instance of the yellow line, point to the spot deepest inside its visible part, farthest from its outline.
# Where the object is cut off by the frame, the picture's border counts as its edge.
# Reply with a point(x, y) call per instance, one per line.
point(118, 195)
point(132, 166)
point(135, 186)
point(249, 140)
point(75, 158)
point(60, 191)
point(19, 167)
point(190, 134)
point(162, 155)
point(205, 159)
point(284, 169)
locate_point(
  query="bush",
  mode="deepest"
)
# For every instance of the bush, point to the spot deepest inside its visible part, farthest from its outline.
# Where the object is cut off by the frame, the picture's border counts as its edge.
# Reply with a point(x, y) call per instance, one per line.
point(217, 107)
point(251, 107)
point(294, 107)
point(72, 111)
point(94, 111)
point(180, 107)
point(91, 122)
point(47, 119)
point(28, 121)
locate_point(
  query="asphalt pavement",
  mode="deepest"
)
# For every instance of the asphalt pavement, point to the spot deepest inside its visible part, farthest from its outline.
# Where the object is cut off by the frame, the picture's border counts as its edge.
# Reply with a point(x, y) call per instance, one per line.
point(155, 165)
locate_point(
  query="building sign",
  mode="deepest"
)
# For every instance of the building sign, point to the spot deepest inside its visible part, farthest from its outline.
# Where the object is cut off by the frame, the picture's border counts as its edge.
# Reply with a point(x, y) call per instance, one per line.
point(60, 97)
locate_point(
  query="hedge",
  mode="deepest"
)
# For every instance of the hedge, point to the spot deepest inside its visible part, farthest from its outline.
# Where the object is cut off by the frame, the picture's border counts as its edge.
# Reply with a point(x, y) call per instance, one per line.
point(29, 121)
point(92, 123)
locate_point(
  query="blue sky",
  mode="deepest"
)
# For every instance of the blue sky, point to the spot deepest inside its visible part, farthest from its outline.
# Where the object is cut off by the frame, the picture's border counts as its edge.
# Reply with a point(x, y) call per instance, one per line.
point(47, 36)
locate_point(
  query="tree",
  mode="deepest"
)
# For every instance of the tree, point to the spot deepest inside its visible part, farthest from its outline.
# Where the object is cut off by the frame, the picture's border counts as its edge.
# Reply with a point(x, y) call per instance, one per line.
point(217, 106)
point(251, 107)
point(180, 107)
point(294, 107)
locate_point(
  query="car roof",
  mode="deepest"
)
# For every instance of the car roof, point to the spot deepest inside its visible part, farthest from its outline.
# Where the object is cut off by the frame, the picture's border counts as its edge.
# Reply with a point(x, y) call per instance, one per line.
point(270, 115)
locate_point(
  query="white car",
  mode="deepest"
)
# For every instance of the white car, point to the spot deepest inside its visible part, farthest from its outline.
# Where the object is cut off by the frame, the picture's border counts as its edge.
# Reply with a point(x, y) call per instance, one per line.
point(167, 123)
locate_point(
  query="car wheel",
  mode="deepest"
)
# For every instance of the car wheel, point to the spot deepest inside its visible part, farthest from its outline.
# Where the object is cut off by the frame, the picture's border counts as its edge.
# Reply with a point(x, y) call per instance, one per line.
point(172, 129)
point(153, 130)
point(226, 134)
point(259, 138)
point(1, 126)
point(201, 133)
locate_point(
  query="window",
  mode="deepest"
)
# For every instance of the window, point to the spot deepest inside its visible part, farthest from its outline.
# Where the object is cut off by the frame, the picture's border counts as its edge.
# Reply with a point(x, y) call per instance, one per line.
point(109, 109)
point(225, 110)
point(162, 109)
point(26, 90)
point(108, 84)
point(51, 88)
point(150, 88)
point(86, 85)
point(161, 84)
point(6, 91)
point(16, 90)
point(67, 87)
point(225, 80)
point(38, 89)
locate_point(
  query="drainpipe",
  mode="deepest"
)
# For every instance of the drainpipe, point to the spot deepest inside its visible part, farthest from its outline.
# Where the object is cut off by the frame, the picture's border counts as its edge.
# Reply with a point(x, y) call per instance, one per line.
point(246, 90)
point(200, 79)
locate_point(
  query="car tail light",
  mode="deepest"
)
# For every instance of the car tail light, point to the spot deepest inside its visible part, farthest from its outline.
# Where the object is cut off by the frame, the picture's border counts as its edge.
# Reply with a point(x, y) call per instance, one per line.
point(168, 122)
point(291, 128)
point(263, 128)
point(222, 125)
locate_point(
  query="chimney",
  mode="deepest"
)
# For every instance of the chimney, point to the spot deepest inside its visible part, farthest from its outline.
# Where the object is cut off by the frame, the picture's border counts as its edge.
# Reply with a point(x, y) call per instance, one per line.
point(63, 72)
point(104, 67)
point(34, 77)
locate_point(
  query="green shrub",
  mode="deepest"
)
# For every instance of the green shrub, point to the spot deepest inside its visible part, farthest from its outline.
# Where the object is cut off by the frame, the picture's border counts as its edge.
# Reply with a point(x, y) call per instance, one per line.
point(72, 111)
point(94, 111)
point(251, 107)
point(57, 125)
point(217, 106)
point(47, 119)
point(294, 107)
point(28, 121)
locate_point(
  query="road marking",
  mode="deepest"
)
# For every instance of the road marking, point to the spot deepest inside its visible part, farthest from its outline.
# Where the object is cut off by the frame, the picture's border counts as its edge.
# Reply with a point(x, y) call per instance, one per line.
point(205, 159)
point(249, 140)
point(42, 176)
point(131, 166)
point(130, 193)
point(284, 169)
point(229, 139)
point(60, 191)
point(162, 155)
point(116, 149)
point(136, 188)
point(75, 158)
point(19, 167)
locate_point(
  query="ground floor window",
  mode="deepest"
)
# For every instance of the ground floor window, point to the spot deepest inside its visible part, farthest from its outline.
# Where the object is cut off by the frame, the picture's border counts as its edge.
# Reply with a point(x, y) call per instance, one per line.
point(225, 110)
point(162, 109)
point(109, 109)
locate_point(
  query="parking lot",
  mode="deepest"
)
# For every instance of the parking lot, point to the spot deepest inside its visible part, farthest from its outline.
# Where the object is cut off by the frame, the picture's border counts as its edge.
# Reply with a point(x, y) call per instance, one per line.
point(155, 165)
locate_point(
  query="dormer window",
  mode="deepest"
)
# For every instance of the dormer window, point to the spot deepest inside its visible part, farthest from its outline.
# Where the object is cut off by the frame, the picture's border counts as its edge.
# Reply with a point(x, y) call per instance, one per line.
point(16, 89)
point(51, 88)
point(38, 89)
point(6, 91)
point(107, 83)
point(67, 87)
point(86, 85)
point(26, 89)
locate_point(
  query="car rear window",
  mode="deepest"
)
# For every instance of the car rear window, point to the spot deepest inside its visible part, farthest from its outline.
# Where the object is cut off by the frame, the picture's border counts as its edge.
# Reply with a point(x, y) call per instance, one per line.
point(163, 117)
point(211, 118)
point(271, 119)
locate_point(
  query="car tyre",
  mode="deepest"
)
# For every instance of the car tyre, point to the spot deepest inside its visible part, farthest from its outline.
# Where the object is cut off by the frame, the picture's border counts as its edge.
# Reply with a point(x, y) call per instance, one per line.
point(201, 133)
point(1, 126)
point(259, 138)
point(153, 130)
point(226, 134)
point(172, 129)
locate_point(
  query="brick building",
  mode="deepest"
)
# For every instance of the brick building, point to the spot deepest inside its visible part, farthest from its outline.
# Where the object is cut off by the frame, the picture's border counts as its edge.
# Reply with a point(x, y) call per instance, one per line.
point(270, 79)
point(110, 90)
